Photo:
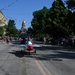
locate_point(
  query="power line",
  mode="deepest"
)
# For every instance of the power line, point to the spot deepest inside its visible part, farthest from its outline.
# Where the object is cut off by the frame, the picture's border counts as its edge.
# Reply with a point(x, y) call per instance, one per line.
point(9, 5)
point(18, 20)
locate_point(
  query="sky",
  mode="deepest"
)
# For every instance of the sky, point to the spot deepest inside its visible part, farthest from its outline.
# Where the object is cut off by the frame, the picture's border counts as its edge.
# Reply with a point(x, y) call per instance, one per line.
point(20, 10)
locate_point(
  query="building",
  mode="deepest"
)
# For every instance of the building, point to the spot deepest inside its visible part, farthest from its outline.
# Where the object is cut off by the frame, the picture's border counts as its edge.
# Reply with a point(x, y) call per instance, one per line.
point(3, 19)
point(23, 28)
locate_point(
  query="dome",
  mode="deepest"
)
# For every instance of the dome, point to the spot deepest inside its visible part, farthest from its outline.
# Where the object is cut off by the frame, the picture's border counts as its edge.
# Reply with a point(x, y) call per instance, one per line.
point(23, 23)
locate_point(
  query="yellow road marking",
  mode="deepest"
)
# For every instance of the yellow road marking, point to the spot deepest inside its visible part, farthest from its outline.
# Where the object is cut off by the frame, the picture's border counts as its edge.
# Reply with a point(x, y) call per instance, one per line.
point(41, 69)
point(48, 72)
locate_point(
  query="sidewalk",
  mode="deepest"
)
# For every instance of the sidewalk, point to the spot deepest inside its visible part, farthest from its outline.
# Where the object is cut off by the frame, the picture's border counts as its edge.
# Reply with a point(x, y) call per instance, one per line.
point(2, 42)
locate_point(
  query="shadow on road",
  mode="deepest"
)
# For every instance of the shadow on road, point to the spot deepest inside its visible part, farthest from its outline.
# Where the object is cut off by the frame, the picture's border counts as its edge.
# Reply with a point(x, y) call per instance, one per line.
point(54, 48)
point(58, 52)
point(17, 53)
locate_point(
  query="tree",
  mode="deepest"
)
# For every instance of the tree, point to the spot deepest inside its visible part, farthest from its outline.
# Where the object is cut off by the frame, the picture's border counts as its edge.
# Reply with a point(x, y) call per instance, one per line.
point(39, 22)
point(58, 16)
point(71, 6)
point(30, 31)
point(55, 22)
point(1, 31)
point(11, 28)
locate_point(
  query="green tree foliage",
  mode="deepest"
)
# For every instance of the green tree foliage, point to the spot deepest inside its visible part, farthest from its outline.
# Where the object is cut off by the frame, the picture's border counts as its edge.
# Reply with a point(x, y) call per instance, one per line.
point(39, 21)
point(1, 31)
point(70, 4)
point(11, 28)
point(58, 15)
point(57, 21)
point(51, 21)
point(71, 7)
point(30, 31)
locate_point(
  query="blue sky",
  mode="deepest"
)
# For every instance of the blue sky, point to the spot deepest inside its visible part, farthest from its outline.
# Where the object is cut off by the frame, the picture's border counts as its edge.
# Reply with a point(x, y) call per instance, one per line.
point(22, 9)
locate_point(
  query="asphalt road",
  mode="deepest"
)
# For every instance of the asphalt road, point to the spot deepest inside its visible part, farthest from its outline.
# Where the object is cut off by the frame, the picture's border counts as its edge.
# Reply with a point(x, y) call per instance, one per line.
point(49, 60)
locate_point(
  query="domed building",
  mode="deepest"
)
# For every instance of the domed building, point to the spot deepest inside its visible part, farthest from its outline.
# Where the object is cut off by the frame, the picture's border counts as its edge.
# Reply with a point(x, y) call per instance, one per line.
point(23, 28)
point(23, 32)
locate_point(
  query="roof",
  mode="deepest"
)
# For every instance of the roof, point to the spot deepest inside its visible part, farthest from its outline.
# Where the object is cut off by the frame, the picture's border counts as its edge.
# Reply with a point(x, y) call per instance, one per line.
point(3, 19)
point(3, 14)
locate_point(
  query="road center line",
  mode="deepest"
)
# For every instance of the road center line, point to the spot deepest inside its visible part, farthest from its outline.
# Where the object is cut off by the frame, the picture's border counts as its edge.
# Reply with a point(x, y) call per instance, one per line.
point(41, 69)
point(48, 72)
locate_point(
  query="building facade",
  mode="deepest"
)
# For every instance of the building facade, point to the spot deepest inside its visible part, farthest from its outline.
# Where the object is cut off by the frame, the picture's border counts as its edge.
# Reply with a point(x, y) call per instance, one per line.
point(3, 19)
point(23, 28)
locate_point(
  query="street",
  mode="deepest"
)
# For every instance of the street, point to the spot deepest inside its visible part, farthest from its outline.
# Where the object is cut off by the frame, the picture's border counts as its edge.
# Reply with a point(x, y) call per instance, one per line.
point(48, 60)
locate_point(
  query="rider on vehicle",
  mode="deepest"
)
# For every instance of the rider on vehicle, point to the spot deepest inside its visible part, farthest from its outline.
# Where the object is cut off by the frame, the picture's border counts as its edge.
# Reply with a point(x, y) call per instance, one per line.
point(29, 44)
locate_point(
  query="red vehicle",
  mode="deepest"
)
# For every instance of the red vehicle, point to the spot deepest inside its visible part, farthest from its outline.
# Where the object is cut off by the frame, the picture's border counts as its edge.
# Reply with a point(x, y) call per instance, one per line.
point(29, 49)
